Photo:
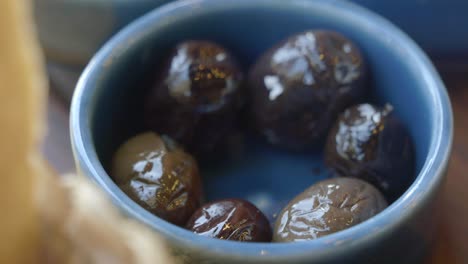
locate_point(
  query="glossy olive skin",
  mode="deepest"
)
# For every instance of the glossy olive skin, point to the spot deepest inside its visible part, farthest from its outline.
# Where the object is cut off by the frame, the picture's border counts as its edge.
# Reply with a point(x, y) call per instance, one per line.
point(158, 175)
point(298, 87)
point(231, 219)
point(327, 207)
point(196, 96)
point(371, 143)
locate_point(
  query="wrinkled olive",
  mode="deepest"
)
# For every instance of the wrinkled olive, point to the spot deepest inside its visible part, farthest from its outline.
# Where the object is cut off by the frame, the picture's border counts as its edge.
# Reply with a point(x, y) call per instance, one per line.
point(371, 143)
point(231, 219)
point(196, 96)
point(157, 174)
point(298, 87)
point(327, 207)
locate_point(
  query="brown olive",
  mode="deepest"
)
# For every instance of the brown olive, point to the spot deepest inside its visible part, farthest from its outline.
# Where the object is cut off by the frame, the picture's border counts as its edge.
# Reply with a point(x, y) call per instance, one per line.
point(327, 207)
point(157, 174)
point(371, 143)
point(196, 96)
point(298, 87)
point(231, 219)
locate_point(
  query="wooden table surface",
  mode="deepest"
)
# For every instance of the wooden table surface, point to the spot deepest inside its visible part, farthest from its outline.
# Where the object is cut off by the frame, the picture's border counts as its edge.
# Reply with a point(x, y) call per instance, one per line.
point(452, 235)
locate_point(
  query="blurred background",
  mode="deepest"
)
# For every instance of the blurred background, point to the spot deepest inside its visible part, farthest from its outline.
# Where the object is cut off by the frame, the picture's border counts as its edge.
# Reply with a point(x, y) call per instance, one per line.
point(71, 31)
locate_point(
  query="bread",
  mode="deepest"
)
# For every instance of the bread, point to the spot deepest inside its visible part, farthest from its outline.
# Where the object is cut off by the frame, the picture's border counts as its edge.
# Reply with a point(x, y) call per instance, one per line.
point(82, 226)
point(47, 218)
point(22, 114)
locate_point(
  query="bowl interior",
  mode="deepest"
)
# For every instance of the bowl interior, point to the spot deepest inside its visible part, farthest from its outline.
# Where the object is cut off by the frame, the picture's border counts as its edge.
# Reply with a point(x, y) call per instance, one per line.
point(108, 104)
point(264, 175)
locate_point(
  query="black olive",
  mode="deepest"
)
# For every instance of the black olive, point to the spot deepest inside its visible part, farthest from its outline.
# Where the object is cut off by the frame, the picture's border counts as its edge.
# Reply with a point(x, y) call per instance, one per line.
point(196, 96)
point(231, 219)
point(371, 143)
point(157, 174)
point(298, 87)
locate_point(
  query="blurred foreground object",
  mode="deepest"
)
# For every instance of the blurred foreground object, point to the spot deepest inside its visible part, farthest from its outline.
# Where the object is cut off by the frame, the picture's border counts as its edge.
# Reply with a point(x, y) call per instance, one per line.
point(82, 226)
point(22, 101)
point(77, 223)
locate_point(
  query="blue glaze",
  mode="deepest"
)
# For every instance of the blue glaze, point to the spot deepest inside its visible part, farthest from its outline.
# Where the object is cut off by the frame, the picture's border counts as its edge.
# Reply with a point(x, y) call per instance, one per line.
point(106, 104)
point(259, 173)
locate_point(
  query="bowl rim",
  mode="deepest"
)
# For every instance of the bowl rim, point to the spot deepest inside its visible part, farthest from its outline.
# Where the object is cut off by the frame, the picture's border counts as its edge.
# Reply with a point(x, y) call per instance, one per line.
point(425, 185)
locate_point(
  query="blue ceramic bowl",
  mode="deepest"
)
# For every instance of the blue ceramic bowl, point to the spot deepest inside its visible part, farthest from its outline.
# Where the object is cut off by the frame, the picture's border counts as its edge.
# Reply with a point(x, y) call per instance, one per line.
point(106, 110)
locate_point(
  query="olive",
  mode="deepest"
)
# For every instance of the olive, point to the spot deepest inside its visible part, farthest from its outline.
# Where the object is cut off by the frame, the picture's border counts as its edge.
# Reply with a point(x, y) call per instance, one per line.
point(157, 174)
point(231, 219)
point(298, 87)
point(327, 207)
point(196, 96)
point(372, 144)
